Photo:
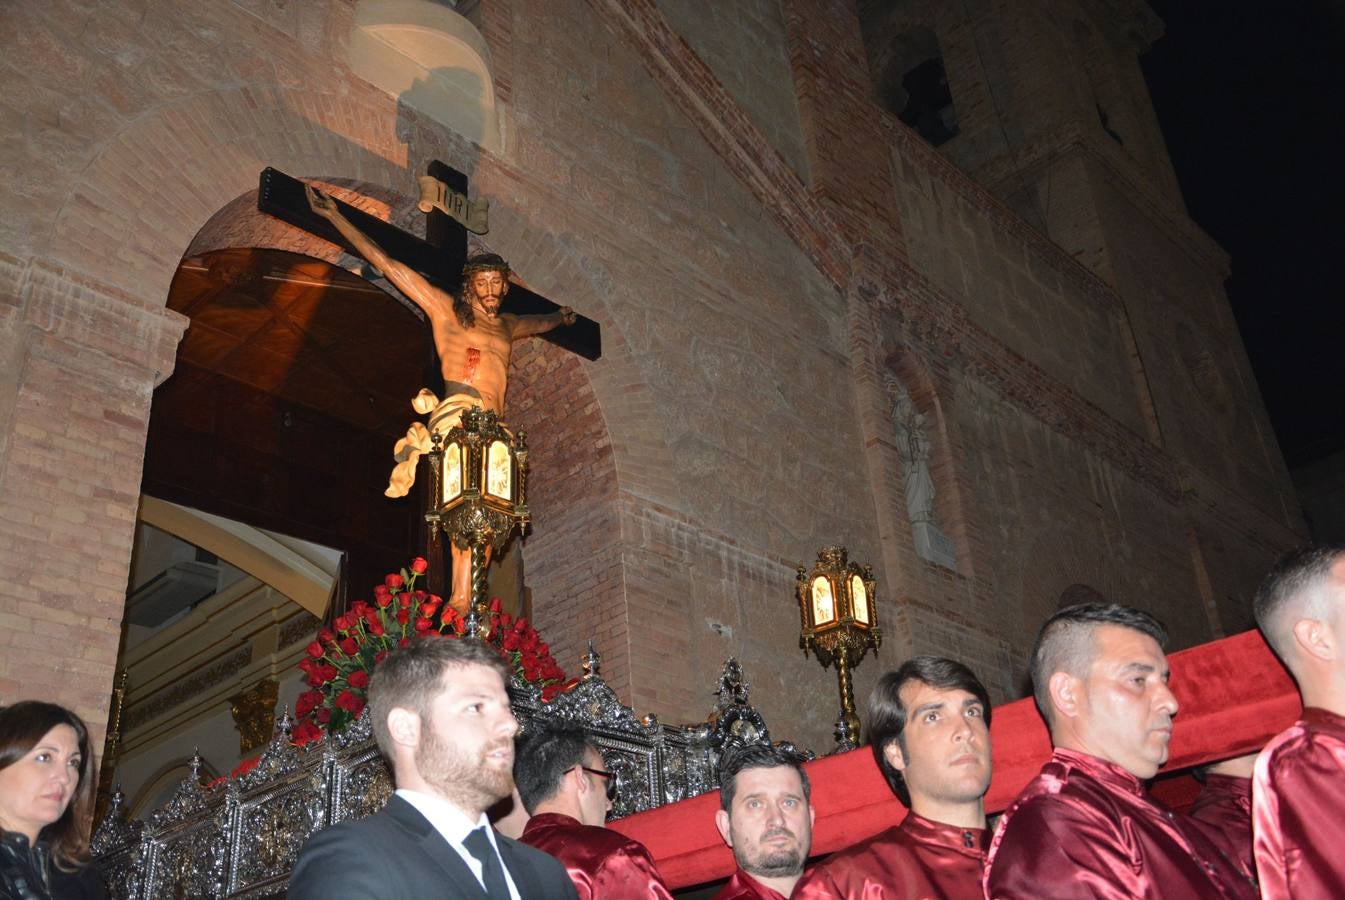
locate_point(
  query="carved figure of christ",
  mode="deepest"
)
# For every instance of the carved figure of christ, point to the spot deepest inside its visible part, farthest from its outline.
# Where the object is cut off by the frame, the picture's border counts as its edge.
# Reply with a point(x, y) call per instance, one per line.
point(472, 338)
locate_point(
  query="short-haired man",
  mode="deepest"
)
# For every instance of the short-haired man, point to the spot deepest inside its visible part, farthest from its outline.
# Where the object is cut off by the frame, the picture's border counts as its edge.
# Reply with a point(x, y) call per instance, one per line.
point(442, 718)
point(1299, 794)
point(929, 727)
point(1086, 826)
point(568, 791)
point(766, 819)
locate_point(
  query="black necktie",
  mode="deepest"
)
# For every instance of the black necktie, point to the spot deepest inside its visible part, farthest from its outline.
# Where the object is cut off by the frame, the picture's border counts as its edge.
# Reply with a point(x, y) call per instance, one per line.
point(492, 870)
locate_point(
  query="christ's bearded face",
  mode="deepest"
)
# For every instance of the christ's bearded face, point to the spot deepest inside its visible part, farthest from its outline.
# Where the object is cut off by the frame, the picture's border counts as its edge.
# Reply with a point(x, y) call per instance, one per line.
point(488, 288)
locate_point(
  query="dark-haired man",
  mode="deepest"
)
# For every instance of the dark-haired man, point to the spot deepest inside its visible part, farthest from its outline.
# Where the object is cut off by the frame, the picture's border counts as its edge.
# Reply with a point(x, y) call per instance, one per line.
point(442, 718)
point(929, 726)
point(568, 791)
point(1086, 825)
point(766, 819)
point(1299, 796)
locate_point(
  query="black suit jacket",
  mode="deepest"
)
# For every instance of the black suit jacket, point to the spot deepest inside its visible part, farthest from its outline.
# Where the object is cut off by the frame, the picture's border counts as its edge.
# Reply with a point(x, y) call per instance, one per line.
point(396, 853)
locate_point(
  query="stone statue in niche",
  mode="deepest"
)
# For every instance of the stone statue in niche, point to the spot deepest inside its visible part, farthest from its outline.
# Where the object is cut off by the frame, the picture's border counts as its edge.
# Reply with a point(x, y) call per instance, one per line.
point(914, 446)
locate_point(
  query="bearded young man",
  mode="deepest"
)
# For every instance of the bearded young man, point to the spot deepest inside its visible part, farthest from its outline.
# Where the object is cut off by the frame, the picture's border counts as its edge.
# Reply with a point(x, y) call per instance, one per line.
point(441, 716)
point(766, 819)
point(929, 727)
point(1086, 825)
point(1299, 796)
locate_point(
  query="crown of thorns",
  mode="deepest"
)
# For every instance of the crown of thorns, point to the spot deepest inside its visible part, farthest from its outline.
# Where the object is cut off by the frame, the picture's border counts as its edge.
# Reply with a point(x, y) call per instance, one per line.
point(485, 262)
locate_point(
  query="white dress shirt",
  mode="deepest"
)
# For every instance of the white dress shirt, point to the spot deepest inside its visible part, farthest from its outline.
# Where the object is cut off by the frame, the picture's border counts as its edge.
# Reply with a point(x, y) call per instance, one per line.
point(455, 825)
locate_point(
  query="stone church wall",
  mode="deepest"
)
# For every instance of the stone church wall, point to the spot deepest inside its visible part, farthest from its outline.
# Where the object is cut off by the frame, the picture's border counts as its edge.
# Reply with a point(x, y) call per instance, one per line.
point(756, 285)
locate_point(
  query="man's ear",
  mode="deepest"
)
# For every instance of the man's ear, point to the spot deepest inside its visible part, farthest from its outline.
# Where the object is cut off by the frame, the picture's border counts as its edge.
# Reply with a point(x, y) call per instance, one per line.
point(404, 726)
point(1315, 639)
point(722, 823)
point(812, 815)
point(1066, 698)
point(895, 758)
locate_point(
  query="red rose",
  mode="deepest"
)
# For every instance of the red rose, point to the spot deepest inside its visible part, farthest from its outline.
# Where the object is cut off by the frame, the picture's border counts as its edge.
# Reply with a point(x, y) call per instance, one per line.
point(315, 650)
point(521, 624)
point(394, 581)
point(326, 672)
point(404, 642)
point(376, 629)
point(529, 641)
point(422, 596)
point(404, 600)
point(543, 649)
point(380, 656)
point(245, 767)
point(423, 625)
point(403, 616)
point(550, 691)
point(495, 604)
point(327, 636)
point(324, 714)
point(419, 565)
point(307, 702)
point(384, 600)
point(428, 610)
point(306, 732)
point(358, 679)
point(315, 679)
point(350, 646)
point(551, 670)
point(531, 670)
point(506, 620)
point(510, 641)
point(349, 702)
point(359, 608)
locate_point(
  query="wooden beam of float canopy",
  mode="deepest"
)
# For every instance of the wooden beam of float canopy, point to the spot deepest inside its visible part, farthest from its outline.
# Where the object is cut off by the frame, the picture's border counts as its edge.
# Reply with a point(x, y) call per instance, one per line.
point(283, 197)
point(1234, 697)
point(247, 548)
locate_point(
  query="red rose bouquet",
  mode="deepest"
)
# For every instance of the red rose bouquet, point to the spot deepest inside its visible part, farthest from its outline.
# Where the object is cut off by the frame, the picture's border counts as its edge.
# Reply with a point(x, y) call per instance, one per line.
point(341, 658)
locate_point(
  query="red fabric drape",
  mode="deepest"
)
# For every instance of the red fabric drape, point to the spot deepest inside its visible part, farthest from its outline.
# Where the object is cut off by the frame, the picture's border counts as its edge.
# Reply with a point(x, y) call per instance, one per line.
point(1234, 697)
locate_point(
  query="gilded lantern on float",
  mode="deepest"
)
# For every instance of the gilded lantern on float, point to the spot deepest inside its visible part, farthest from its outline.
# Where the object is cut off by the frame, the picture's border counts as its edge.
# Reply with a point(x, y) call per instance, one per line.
point(478, 480)
point(838, 608)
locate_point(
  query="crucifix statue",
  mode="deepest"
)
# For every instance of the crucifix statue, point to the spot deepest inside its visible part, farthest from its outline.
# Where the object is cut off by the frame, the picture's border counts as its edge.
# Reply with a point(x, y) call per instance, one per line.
point(473, 340)
point(473, 335)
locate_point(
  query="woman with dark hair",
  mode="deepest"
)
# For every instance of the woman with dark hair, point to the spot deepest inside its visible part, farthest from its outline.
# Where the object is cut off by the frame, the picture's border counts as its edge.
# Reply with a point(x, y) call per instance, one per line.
point(46, 799)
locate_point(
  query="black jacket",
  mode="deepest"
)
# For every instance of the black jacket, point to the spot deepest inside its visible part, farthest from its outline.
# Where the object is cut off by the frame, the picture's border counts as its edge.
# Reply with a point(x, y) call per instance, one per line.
point(396, 853)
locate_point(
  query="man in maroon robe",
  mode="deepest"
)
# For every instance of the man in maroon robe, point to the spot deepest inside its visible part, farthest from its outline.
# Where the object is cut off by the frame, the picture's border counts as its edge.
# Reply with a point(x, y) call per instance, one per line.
point(1086, 826)
point(929, 726)
point(1299, 794)
point(568, 792)
point(766, 819)
point(1224, 807)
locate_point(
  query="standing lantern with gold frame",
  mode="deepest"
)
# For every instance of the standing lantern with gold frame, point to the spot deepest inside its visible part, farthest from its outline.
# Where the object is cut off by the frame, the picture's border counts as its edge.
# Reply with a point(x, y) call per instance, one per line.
point(478, 481)
point(839, 623)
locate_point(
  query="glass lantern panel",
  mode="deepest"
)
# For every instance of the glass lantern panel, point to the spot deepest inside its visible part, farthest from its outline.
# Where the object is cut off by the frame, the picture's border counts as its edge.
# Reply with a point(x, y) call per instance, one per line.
point(499, 472)
point(824, 604)
point(452, 477)
point(860, 597)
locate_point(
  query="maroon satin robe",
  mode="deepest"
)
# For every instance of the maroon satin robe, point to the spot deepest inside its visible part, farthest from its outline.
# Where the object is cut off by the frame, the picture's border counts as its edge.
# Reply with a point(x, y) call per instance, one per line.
point(602, 863)
point(1299, 810)
point(1087, 828)
point(1224, 809)
point(744, 887)
point(919, 859)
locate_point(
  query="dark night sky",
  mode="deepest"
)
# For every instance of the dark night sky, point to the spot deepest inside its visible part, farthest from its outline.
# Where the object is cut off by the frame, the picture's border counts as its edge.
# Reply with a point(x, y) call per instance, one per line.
point(1251, 98)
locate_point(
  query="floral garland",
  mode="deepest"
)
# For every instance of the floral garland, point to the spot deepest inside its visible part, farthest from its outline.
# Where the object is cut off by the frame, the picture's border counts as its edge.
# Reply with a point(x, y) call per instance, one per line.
point(341, 658)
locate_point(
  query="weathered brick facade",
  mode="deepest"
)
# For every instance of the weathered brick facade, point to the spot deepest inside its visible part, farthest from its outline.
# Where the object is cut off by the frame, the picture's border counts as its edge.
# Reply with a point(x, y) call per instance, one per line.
point(764, 248)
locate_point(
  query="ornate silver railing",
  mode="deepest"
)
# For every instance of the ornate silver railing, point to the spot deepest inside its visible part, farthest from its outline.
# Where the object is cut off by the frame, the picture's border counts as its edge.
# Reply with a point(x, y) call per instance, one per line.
point(240, 839)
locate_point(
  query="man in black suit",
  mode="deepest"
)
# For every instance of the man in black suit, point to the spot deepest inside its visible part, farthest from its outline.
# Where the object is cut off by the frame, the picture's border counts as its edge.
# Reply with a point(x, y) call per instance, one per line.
point(441, 716)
